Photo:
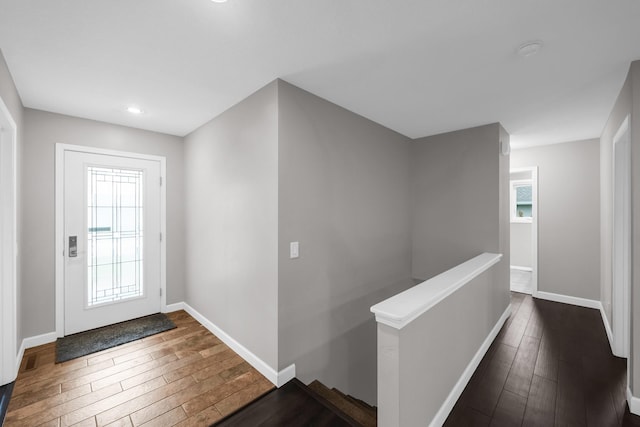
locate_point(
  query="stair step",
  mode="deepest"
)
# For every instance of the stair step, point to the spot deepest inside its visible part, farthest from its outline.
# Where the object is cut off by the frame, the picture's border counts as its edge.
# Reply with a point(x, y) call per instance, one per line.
point(372, 410)
point(366, 416)
point(292, 405)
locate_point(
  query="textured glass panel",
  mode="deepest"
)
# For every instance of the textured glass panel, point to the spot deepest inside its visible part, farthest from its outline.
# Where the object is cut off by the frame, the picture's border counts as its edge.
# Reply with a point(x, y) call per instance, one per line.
point(128, 250)
point(114, 247)
point(103, 193)
point(104, 277)
point(523, 193)
point(128, 217)
point(103, 217)
point(105, 254)
point(128, 272)
point(128, 195)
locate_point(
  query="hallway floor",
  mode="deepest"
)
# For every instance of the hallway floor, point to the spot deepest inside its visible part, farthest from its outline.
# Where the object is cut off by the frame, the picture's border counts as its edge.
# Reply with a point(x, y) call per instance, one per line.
point(185, 376)
point(521, 281)
point(551, 364)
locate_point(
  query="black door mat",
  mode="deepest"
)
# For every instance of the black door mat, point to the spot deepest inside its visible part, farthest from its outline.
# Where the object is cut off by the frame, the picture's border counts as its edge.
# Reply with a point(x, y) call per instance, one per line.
point(83, 343)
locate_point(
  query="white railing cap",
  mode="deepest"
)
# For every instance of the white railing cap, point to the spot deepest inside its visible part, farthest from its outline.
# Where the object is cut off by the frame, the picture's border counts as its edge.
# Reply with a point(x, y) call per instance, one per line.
point(401, 309)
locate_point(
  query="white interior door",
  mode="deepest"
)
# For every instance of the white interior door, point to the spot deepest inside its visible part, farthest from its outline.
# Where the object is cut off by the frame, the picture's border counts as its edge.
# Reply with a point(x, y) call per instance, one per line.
point(112, 255)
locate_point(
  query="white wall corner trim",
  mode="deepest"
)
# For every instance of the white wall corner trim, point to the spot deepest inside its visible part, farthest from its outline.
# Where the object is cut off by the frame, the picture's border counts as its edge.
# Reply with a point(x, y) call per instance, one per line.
point(457, 390)
point(607, 326)
point(19, 357)
point(286, 375)
point(37, 340)
point(634, 403)
point(566, 299)
point(9, 355)
point(34, 341)
point(170, 308)
point(278, 378)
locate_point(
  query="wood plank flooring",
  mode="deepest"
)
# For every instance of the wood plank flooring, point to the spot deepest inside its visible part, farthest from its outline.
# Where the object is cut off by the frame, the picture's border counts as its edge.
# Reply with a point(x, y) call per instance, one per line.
point(292, 405)
point(184, 377)
point(5, 394)
point(551, 364)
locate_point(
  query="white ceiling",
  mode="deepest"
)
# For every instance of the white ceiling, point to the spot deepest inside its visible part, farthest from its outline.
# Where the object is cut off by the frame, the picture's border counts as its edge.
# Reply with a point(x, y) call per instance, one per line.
point(419, 67)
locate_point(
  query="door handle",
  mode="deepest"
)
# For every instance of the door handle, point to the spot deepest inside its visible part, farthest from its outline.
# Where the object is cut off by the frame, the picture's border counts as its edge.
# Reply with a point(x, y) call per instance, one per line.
point(73, 246)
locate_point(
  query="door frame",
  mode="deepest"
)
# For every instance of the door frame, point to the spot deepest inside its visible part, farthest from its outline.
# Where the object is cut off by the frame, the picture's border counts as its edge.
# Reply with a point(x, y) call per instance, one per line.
point(620, 298)
point(59, 221)
point(534, 224)
point(9, 360)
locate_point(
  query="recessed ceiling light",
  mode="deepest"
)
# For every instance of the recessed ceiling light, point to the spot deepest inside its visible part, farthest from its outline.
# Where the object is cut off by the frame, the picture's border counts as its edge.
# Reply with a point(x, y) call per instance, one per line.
point(219, 1)
point(529, 48)
point(135, 110)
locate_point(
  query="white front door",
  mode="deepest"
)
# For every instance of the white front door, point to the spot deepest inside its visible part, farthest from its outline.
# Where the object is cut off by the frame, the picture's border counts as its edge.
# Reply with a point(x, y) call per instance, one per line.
point(112, 258)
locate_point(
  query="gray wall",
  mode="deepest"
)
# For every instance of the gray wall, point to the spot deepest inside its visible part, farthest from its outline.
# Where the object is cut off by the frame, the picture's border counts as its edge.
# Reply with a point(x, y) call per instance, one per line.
point(502, 271)
point(12, 100)
point(628, 103)
point(42, 131)
point(231, 193)
point(621, 109)
point(521, 244)
point(635, 226)
point(344, 195)
point(460, 195)
point(568, 216)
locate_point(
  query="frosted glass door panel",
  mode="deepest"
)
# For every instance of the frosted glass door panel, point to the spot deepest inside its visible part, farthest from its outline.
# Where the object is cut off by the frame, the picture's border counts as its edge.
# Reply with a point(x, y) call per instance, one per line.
point(115, 235)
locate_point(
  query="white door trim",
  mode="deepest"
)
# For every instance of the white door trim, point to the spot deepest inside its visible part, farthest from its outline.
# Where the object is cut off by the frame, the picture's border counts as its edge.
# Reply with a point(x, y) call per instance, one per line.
point(59, 221)
point(621, 269)
point(534, 225)
point(9, 362)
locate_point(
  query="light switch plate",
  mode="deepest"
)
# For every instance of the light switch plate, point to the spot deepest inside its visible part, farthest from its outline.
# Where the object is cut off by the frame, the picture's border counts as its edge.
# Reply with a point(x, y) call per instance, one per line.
point(294, 250)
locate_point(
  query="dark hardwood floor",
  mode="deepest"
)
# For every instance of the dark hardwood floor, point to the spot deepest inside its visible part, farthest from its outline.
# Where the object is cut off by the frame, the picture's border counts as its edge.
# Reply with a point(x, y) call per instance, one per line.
point(551, 364)
point(292, 405)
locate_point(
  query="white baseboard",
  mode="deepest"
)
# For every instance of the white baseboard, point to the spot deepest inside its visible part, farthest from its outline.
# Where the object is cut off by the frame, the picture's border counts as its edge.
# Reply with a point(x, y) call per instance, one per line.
point(170, 308)
point(607, 326)
point(19, 359)
point(286, 375)
point(517, 267)
point(582, 302)
point(634, 403)
point(457, 390)
point(515, 287)
point(277, 378)
point(30, 342)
